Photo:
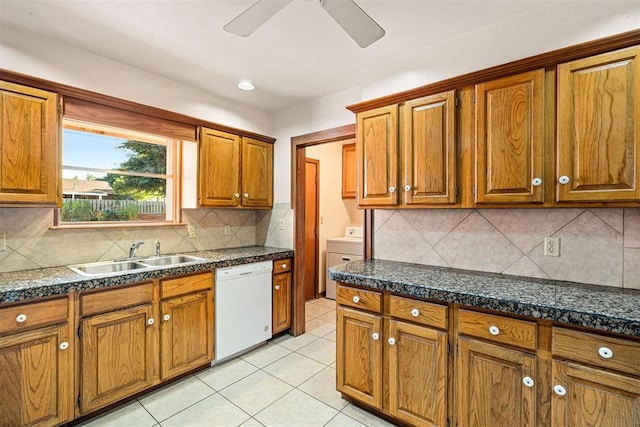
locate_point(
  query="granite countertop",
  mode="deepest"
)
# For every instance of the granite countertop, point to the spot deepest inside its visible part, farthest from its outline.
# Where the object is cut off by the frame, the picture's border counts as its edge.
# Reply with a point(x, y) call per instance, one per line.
point(604, 308)
point(30, 284)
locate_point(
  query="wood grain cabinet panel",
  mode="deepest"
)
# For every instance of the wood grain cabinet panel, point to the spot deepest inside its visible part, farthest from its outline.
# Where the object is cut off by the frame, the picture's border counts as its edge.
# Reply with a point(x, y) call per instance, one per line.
point(29, 146)
point(599, 128)
point(429, 150)
point(257, 173)
point(417, 379)
point(490, 385)
point(377, 157)
point(510, 139)
point(585, 396)
point(281, 300)
point(36, 378)
point(349, 171)
point(219, 168)
point(186, 333)
point(359, 356)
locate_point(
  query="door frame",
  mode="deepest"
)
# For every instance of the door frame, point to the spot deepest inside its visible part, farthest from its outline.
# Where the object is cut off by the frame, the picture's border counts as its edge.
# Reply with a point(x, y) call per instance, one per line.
point(317, 234)
point(298, 155)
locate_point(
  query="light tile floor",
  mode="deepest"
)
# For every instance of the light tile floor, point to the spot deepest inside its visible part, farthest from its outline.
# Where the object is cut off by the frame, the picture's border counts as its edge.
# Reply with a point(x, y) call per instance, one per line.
point(291, 381)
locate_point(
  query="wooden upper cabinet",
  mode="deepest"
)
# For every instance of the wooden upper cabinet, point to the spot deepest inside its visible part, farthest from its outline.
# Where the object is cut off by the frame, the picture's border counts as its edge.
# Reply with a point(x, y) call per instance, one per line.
point(429, 150)
point(349, 171)
point(510, 139)
point(377, 157)
point(599, 128)
point(257, 173)
point(219, 163)
point(29, 146)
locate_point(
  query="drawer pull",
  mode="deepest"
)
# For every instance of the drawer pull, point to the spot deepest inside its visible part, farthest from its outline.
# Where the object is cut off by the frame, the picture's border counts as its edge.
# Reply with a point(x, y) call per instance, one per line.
point(528, 381)
point(345, 258)
point(277, 287)
point(605, 352)
point(392, 341)
point(150, 321)
point(415, 312)
point(283, 266)
point(494, 330)
point(563, 180)
point(375, 336)
point(356, 299)
point(21, 318)
point(166, 317)
point(559, 390)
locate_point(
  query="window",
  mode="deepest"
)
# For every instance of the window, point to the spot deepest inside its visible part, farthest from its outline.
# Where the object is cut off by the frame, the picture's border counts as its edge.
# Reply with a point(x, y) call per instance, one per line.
point(112, 175)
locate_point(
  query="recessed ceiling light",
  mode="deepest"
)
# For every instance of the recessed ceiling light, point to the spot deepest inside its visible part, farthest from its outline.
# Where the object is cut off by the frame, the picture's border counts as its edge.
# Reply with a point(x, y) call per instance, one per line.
point(246, 85)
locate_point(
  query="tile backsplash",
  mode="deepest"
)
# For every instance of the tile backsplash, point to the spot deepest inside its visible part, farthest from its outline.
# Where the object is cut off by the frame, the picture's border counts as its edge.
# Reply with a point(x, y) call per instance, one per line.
point(30, 243)
point(597, 246)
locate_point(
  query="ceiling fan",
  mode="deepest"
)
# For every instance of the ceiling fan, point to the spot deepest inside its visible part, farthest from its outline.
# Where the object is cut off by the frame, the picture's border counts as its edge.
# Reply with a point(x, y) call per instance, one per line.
point(360, 27)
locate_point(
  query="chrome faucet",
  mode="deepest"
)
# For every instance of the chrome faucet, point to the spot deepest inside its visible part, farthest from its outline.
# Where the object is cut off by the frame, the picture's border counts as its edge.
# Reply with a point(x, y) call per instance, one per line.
point(157, 248)
point(134, 248)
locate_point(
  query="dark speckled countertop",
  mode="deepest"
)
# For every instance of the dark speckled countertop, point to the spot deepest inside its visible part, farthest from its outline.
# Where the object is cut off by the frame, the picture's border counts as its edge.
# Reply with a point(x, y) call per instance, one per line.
point(604, 308)
point(29, 284)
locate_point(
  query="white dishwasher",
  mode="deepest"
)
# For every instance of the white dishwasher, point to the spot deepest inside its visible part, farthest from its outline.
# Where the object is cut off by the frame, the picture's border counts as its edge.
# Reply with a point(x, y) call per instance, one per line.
point(242, 307)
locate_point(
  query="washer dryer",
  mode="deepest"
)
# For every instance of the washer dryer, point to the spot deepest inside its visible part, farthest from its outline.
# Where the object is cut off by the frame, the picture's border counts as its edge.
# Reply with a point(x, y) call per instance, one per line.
point(349, 247)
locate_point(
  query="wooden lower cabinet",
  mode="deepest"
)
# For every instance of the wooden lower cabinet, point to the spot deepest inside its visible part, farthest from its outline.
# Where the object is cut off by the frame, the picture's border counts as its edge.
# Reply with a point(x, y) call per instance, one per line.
point(281, 300)
point(495, 385)
point(119, 356)
point(585, 396)
point(36, 377)
point(186, 333)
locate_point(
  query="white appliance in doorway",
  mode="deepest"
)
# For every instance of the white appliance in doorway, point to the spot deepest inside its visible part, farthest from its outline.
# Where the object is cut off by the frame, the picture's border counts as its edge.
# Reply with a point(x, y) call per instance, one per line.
point(242, 307)
point(349, 247)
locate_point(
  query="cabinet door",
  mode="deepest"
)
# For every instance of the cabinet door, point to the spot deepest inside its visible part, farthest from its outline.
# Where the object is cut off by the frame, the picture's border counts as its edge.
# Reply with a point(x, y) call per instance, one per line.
point(219, 173)
point(186, 333)
point(349, 171)
point(599, 128)
point(510, 139)
point(119, 356)
point(257, 173)
point(417, 374)
point(36, 378)
point(359, 356)
point(593, 397)
point(429, 150)
point(281, 302)
point(29, 139)
point(491, 387)
point(377, 157)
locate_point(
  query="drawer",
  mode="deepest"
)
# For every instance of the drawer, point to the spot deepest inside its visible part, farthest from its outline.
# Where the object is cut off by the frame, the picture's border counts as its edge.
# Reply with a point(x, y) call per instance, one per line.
point(281, 265)
point(418, 311)
point(33, 314)
point(108, 300)
point(360, 298)
point(186, 284)
point(606, 352)
point(504, 330)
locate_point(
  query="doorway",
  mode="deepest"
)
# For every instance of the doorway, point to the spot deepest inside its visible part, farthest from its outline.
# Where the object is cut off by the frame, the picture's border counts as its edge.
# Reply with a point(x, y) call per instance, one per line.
point(311, 183)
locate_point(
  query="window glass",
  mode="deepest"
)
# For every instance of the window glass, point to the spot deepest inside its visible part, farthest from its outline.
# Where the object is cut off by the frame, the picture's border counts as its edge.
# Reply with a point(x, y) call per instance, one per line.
point(115, 175)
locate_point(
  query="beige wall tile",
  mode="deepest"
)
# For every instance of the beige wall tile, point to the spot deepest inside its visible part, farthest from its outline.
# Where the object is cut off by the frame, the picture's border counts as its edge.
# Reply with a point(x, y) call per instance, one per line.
point(632, 268)
point(632, 228)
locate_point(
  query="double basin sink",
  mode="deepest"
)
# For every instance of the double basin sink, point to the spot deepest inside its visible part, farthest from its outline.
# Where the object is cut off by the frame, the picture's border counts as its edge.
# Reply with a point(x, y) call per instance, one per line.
point(126, 266)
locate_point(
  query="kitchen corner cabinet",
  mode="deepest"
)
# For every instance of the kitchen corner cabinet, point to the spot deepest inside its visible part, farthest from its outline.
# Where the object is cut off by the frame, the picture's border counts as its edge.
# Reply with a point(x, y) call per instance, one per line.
point(119, 345)
point(281, 296)
point(510, 131)
point(398, 353)
point(186, 331)
point(349, 171)
point(599, 128)
point(234, 171)
point(29, 146)
point(36, 364)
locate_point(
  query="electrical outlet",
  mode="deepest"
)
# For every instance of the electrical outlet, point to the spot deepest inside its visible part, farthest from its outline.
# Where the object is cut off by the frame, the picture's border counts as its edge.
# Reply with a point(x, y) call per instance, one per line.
point(3, 241)
point(191, 231)
point(551, 246)
point(281, 225)
point(227, 230)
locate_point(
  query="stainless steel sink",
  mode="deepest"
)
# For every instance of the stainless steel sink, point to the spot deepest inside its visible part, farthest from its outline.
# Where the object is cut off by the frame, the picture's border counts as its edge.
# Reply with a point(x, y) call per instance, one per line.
point(107, 267)
point(169, 260)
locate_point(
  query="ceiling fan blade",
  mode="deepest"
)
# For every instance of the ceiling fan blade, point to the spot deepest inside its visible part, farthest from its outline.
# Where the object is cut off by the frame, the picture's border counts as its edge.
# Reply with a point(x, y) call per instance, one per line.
point(360, 27)
point(256, 15)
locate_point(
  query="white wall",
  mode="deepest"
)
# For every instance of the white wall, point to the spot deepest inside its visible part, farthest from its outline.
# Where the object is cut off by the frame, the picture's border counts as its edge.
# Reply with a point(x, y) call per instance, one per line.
point(31, 54)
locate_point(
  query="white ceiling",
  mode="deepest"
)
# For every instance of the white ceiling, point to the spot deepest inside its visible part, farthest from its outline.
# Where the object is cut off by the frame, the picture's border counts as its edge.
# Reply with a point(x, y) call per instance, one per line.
point(299, 54)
